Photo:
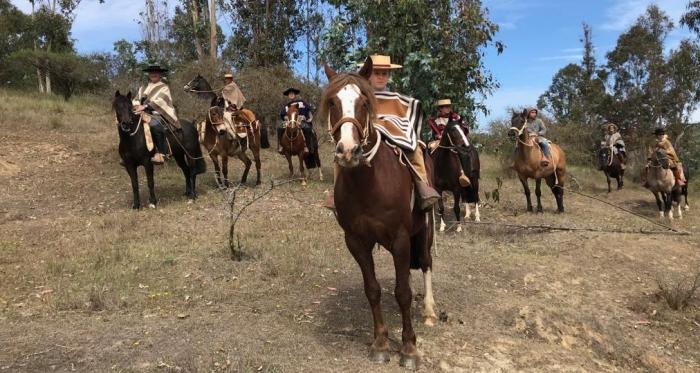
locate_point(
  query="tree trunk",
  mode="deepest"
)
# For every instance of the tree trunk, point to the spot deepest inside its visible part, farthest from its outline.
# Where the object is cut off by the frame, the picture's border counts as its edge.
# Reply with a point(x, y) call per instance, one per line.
point(212, 31)
point(48, 83)
point(194, 11)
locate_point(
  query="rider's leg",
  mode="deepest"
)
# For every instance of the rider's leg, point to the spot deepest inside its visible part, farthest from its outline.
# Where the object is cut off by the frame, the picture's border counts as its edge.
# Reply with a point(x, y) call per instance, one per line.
point(544, 144)
point(428, 195)
point(464, 160)
point(678, 174)
point(158, 133)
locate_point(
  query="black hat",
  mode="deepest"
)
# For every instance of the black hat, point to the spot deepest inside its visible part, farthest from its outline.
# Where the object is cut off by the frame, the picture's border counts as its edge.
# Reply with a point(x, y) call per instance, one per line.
point(659, 131)
point(294, 90)
point(155, 68)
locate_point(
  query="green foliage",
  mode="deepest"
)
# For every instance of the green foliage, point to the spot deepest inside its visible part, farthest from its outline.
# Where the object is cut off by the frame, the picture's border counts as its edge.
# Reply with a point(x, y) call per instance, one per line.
point(263, 34)
point(439, 43)
point(692, 18)
point(185, 36)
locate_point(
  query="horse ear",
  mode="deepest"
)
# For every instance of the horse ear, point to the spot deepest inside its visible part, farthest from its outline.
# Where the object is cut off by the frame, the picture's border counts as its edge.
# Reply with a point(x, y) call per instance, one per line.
point(524, 113)
point(366, 70)
point(330, 73)
point(128, 95)
point(117, 94)
point(214, 101)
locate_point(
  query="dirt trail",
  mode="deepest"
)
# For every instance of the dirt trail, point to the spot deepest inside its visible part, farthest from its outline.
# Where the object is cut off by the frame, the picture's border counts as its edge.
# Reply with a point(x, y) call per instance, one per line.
point(89, 285)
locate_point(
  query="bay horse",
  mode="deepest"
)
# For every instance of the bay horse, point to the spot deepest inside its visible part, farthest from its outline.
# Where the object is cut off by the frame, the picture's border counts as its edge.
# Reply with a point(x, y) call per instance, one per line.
point(611, 166)
point(293, 143)
point(134, 151)
point(375, 204)
point(527, 164)
point(662, 183)
point(222, 142)
point(448, 168)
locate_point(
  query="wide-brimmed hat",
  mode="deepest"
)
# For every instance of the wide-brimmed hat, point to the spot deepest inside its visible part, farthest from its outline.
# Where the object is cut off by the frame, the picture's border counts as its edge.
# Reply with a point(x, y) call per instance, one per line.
point(155, 68)
point(293, 90)
point(444, 102)
point(228, 76)
point(659, 131)
point(381, 62)
point(613, 125)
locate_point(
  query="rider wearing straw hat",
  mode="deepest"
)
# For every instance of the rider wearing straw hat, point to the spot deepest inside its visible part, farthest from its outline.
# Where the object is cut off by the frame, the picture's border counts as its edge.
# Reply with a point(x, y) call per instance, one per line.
point(613, 140)
point(393, 112)
point(665, 145)
point(439, 123)
point(155, 101)
point(232, 94)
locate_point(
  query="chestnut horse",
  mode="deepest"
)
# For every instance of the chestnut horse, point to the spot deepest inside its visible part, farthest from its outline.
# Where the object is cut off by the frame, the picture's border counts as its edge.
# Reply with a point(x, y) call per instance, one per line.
point(293, 143)
point(528, 156)
point(448, 168)
point(375, 204)
point(221, 144)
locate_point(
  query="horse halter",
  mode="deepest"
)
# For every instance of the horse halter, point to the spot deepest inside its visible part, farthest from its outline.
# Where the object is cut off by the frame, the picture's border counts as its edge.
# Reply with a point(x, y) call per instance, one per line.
point(364, 132)
point(211, 120)
point(519, 132)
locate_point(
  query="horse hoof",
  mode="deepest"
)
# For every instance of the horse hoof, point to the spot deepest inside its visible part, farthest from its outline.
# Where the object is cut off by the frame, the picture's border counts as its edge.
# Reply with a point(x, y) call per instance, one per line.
point(135, 207)
point(151, 205)
point(459, 228)
point(379, 356)
point(442, 228)
point(190, 201)
point(529, 209)
point(430, 320)
point(409, 362)
point(303, 183)
point(477, 219)
point(686, 208)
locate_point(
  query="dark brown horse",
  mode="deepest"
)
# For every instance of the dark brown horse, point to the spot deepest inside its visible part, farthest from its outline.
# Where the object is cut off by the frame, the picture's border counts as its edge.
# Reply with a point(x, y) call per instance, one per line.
point(223, 140)
point(448, 168)
point(293, 143)
point(375, 204)
point(611, 166)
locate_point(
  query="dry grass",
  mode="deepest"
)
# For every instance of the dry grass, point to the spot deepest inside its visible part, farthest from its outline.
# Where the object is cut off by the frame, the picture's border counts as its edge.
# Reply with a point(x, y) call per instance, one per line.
point(88, 284)
point(678, 291)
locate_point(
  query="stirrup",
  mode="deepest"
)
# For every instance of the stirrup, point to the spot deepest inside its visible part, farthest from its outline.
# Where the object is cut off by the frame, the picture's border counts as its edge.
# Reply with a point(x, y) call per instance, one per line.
point(158, 159)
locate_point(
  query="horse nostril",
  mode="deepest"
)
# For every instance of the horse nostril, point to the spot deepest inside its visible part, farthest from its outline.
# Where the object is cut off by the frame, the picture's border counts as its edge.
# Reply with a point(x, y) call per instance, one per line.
point(222, 132)
point(340, 148)
point(356, 150)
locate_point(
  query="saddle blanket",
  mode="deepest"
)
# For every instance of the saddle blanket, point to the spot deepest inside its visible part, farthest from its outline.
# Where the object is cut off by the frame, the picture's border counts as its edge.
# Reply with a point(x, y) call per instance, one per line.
point(239, 123)
point(147, 131)
point(399, 119)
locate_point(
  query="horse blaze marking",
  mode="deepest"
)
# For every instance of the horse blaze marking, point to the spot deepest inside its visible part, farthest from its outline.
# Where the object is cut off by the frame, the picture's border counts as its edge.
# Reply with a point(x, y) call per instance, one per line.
point(348, 95)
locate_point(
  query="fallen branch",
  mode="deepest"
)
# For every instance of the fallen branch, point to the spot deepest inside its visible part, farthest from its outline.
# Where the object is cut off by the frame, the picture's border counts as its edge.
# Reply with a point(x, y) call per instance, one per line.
point(559, 228)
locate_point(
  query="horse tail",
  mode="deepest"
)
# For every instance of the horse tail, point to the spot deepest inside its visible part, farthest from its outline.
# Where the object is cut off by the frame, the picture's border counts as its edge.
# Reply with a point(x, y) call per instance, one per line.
point(310, 161)
point(264, 140)
point(421, 242)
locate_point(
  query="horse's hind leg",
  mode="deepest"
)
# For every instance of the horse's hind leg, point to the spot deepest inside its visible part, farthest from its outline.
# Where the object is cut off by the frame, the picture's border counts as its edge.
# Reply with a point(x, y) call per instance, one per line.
point(224, 169)
point(620, 180)
point(659, 204)
point(362, 252)
point(318, 163)
point(151, 185)
point(538, 194)
point(526, 189)
point(685, 196)
point(557, 190)
point(134, 176)
point(607, 178)
point(247, 163)
point(441, 211)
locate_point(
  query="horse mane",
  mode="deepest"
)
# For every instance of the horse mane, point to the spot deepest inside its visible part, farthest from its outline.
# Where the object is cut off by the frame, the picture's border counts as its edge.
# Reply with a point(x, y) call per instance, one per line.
point(339, 81)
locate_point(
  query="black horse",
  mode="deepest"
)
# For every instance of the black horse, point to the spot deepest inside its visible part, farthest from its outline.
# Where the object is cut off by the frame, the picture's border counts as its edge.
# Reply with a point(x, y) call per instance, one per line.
point(201, 88)
point(611, 167)
point(134, 152)
point(451, 158)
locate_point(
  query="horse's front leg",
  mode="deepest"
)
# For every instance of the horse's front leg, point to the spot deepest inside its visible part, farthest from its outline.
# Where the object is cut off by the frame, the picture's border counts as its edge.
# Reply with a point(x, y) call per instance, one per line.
point(362, 252)
point(289, 163)
point(659, 204)
point(256, 156)
point(401, 251)
point(607, 178)
point(217, 169)
point(151, 185)
point(134, 176)
point(224, 169)
point(457, 200)
point(302, 171)
point(620, 179)
point(246, 163)
point(538, 194)
point(526, 190)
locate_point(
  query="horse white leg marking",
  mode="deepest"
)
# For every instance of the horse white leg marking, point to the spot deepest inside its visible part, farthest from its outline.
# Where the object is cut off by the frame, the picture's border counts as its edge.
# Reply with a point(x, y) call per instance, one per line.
point(661, 214)
point(429, 301)
point(151, 206)
point(442, 225)
point(467, 211)
point(680, 211)
point(477, 215)
point(320, 174)
point(459, 228)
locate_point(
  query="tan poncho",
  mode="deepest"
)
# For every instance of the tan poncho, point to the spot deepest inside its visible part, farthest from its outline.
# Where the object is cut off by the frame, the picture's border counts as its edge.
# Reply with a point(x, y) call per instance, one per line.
point(157, 96)
point(233, 95)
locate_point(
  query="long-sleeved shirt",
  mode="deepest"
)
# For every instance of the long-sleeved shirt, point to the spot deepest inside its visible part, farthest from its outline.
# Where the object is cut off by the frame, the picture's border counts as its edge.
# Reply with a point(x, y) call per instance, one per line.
point(439, 123)
point(536, 127)
point(304, 110)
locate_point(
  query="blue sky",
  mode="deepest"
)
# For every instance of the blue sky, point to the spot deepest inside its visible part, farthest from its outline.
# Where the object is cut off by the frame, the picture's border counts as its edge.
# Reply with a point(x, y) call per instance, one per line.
point(541, 36)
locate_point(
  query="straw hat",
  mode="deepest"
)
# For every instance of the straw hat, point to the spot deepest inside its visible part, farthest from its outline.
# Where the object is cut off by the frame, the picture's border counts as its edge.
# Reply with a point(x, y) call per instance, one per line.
point(613, 125)
point(381, 62)
point(228, 76)
point(444, 102)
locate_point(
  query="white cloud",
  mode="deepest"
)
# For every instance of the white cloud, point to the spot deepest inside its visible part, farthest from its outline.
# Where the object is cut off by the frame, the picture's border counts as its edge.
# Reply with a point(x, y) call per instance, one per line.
point(623, 14)
point(505, 98)
point(564, 57)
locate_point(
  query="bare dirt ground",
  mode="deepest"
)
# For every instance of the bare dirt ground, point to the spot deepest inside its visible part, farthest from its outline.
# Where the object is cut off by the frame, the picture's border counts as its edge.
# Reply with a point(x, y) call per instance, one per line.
point(87, 284)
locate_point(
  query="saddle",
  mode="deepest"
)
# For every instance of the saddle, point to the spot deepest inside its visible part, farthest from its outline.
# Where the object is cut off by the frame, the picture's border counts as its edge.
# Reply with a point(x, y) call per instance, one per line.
point(240, 122)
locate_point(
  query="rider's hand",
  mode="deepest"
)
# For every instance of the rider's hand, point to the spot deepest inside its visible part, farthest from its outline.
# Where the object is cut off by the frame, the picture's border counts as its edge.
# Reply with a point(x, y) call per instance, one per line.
point(139, 108)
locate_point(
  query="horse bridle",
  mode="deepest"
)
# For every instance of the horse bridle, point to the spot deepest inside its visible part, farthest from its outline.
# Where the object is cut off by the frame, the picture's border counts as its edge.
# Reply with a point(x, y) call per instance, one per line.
point(211, 120)
point(520, 132)
point(364, 132)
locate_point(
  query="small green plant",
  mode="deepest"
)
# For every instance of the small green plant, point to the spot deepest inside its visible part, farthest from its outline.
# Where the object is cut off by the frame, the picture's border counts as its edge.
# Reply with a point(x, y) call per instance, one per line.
point(56, 123)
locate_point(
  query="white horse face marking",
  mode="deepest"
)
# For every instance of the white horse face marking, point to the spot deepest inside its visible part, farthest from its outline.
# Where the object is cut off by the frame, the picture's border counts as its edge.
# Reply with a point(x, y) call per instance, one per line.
point(347, 144)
